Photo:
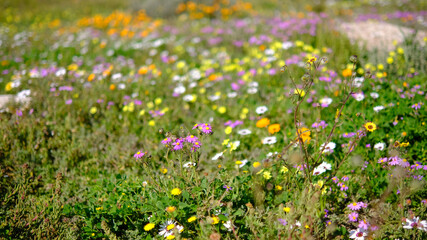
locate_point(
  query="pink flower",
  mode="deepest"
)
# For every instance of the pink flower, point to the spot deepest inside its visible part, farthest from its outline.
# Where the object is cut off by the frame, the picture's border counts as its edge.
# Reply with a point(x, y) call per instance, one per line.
point(363, 224)
point(139, 154)
point(191, 139)
point(166, 141)
point(354, 206)
point(353, 216)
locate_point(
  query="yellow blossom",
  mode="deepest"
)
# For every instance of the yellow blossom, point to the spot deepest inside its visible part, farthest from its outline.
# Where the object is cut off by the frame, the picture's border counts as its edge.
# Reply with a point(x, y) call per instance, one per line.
point(176, 191)
point(284, 169)
point(299, 92)
point(266, 175)
point(8, 86)
point(149, 226)
point(93, 110)
point(215, 220)
point(192, 219)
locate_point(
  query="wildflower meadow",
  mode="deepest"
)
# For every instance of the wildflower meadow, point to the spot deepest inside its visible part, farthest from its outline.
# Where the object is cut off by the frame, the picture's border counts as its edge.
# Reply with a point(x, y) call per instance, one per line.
point(213, 119)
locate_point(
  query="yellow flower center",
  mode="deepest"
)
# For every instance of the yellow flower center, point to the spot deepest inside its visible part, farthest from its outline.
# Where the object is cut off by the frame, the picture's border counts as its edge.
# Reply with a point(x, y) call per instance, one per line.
point(170, 226)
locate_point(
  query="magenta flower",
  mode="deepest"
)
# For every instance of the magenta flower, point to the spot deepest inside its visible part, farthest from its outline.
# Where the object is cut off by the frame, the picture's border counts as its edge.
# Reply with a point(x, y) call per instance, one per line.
point(363, 224)
point(206, 128)
point(362, 204)
point(227, 188)
point(139, 154)
point(349, 135)
point(191, 139)
point(393, 161)
point(282, 221)
point(335, 179)
point(352, 217)
point(196, 145)
point(354, 206)
point(166, 141)
point(345, 178)
point(344, 187)
point(178, 145)
point(417, 106)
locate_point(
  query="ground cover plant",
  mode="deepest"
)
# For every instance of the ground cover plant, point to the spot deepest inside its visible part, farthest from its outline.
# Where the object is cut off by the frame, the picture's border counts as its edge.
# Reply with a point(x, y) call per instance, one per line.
point(225, 120)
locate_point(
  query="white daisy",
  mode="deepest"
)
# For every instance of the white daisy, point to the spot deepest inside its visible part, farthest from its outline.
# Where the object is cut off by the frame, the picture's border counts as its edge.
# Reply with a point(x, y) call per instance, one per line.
point(180, 89)
point(358, 234)
point(214, 97)
point(287, 45)
point(188, 98)
point(252, 90)
point(378, 108)
point(189, 164)
point(374, 95)
point(269, 140)
point(232, 95)
point(253, 84)
point(167, 228)
point(415, 223)
point(329, 147)
point(323, 167)
point(218, 155)
point(244, 132)
point(261, 109)
point(358, 81)
point(379, 146)
point(326, 101)
point(359, 96)
point(228, 225)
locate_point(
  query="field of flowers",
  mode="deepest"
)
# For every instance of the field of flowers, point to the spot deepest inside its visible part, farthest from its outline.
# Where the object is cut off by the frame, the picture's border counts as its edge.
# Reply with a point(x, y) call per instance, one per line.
point(226, 120)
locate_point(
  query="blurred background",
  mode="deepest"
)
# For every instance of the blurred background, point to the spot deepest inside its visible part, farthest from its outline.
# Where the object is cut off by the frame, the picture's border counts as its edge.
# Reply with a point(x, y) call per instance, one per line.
point(71, 9)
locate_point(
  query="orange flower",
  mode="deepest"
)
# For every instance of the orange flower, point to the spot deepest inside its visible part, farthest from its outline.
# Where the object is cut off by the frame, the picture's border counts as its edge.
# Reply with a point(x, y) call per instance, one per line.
point(274, 128)
point(346, 72)
point(304, 134)
point(263, 122)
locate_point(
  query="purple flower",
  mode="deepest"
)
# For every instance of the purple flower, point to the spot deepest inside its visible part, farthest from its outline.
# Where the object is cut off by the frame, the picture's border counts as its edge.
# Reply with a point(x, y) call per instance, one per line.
point(354, 206)
point(196, 145)
point(322, 124)
point(417, 106)
point(206, 128)
point(139, 154)
point(69, 101)
point(191, 139)
point(178, 144)
point(345, 178)
point(349, 135)
point(363, 224)
point(166, 141)
point(362, 204)
point(352, 217)
point(19, 113)
point(227, 188)
point(344, 187)
point(393, 161)
point(282, 221)
point(335, 179)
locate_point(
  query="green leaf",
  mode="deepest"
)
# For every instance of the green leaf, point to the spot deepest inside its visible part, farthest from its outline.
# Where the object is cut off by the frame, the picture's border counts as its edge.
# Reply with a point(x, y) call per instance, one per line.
point(223, 218)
